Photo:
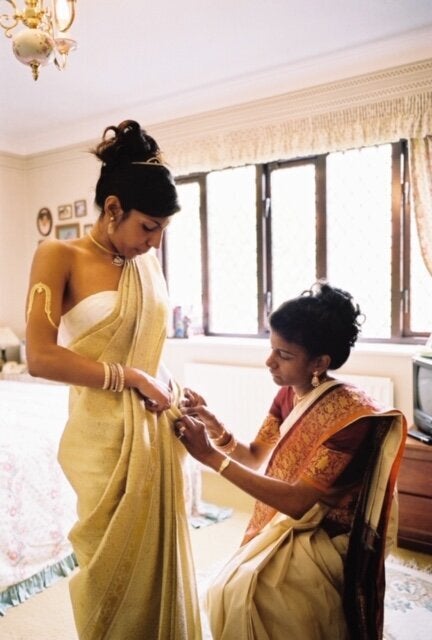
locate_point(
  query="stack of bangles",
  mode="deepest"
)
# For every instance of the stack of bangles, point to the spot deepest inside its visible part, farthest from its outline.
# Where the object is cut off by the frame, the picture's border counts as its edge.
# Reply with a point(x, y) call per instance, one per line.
point(114, 379)
point(228, 446)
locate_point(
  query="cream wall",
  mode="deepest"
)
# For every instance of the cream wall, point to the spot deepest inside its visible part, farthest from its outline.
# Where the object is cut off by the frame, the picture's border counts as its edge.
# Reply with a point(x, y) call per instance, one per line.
point(46, 180)
point(15, 240)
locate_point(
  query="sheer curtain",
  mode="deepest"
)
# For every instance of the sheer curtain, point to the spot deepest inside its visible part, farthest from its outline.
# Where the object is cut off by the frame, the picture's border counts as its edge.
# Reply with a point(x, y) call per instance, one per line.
point(421, 193)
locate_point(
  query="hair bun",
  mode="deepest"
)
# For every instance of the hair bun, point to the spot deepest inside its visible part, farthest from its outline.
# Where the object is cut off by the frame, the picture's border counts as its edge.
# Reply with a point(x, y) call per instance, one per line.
point(124, 144)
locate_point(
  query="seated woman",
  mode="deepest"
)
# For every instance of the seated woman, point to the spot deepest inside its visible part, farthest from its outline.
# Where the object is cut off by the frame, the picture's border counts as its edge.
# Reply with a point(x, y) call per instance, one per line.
point(311, 565)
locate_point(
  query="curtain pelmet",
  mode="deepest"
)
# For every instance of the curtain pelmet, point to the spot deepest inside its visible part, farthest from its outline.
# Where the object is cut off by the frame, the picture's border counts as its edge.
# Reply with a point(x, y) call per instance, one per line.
point(373, 108)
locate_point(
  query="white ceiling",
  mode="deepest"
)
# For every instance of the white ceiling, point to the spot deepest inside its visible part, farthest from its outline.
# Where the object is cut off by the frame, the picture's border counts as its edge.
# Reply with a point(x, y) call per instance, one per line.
point(156, 61)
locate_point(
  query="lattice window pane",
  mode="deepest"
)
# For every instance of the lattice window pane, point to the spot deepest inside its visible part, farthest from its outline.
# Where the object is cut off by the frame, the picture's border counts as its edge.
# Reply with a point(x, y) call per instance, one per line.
point(231, 205)
point(359, 232)
point(421, 287)
point(183, 241)
point(293, 231)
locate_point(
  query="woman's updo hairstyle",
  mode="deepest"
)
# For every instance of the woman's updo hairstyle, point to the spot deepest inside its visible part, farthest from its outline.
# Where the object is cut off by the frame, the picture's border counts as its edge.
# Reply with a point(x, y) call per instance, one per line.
point(323, 320)
point(133, 170)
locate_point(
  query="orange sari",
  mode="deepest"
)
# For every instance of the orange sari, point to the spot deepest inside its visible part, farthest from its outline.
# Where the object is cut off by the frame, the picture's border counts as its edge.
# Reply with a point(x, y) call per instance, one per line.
point(296, 579)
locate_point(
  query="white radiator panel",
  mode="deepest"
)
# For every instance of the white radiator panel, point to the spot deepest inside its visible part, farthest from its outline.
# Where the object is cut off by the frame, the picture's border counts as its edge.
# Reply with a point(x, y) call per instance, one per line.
point(241, 396)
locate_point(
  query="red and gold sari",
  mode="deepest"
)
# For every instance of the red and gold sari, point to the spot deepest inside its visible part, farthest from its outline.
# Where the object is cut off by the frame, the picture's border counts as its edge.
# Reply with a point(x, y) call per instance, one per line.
point(322, 576)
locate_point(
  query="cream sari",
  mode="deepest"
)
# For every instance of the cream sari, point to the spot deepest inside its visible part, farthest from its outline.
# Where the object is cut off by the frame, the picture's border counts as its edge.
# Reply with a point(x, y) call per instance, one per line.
point(136, 576)
point(288, 581)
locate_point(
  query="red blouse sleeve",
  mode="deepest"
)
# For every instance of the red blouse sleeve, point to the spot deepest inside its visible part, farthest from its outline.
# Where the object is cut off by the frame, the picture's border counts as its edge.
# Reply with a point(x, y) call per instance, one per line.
point(281, 406)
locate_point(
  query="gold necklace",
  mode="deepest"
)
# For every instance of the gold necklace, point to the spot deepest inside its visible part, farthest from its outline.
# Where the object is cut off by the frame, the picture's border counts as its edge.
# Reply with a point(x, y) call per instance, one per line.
point(297, 398)
point(118, 259)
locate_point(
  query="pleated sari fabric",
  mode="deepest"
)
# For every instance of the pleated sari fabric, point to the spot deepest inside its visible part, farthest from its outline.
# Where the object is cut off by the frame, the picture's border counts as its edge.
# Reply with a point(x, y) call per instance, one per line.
point(136, 575)
point(290, 579)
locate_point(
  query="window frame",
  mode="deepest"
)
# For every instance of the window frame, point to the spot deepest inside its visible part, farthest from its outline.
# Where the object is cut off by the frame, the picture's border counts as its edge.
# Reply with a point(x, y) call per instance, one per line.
point(400, 254)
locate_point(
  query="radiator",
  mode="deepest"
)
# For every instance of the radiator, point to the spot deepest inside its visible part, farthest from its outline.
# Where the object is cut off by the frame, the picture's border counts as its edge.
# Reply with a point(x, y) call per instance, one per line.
point(240, 396)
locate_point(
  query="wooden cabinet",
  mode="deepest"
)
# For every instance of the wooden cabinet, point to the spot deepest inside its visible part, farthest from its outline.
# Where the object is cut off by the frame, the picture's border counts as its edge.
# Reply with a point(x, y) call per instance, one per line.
point(415, 497)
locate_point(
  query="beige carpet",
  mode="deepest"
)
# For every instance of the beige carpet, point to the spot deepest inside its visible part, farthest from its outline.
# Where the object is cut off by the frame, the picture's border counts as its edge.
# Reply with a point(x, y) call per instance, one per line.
point(48, 615)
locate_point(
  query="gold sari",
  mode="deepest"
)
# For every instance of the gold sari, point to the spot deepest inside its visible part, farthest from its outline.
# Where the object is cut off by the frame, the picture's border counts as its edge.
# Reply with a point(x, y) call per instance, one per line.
point(290, 579)
point(136, 576)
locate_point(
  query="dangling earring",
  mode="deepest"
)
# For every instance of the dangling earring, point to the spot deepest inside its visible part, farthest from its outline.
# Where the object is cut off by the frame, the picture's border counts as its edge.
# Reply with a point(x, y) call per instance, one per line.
point(315, 382)
point(110, 229)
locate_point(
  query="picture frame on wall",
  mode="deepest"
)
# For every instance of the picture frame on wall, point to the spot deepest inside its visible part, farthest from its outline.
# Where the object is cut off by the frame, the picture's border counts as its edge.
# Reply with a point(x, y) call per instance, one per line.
point(80, 208)
point(44, 221)
point(67, 231)
point(86, 228)
point(64, 211)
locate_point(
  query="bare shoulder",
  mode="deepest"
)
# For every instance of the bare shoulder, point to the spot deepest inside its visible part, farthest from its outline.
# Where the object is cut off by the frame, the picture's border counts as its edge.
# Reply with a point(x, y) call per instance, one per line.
point(53, 255)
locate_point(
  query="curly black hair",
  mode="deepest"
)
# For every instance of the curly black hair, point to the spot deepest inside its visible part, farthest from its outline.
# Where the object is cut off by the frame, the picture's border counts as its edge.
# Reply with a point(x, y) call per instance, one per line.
point(323, 320)
point(133, 170)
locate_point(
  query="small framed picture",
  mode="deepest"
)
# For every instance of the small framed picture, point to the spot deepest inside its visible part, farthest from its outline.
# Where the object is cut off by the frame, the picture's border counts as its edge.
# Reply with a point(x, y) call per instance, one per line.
point(64, 211)
point(80, 208)
point(67, 231)
point(86, 228)
point(44, 221)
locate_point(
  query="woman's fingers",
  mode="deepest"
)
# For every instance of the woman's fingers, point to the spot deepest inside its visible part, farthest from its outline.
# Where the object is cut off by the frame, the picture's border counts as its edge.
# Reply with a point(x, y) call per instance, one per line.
point(155, 405)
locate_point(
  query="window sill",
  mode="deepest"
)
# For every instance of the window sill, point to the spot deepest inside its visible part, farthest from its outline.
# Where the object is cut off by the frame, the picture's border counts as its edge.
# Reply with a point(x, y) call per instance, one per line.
point(260, 344)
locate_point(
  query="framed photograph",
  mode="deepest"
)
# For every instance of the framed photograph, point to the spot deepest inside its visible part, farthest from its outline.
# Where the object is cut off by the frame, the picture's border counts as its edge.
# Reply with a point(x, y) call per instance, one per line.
point(64, 211)
point(44, 221)
point(67, 231)
point(80, 208)
point(86, 228)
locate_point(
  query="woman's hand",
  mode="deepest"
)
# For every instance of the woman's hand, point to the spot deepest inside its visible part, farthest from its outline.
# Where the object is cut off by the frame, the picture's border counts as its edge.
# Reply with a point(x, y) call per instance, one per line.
point(191, 431)
point(191, 399)
point(214, 427)
point(157, 395)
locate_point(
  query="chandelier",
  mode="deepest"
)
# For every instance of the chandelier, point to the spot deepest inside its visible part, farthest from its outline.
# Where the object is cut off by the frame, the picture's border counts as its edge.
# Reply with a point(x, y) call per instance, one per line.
point(42, 41)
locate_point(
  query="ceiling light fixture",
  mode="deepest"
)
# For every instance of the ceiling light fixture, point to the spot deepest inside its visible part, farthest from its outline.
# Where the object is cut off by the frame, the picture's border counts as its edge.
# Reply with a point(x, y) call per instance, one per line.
point(42, 41)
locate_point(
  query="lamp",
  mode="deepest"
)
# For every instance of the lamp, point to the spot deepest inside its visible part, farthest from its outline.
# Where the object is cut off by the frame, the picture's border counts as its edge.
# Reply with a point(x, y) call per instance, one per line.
point(40, 42)
point(7, 339)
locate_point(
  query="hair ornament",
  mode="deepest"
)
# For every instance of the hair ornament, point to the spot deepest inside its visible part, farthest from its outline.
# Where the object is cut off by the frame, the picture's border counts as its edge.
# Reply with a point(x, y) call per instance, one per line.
point(154, 160)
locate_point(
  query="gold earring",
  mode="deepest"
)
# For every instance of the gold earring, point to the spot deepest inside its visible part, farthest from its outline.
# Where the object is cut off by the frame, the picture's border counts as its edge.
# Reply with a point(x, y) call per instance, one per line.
point(110, 229)
point(315, 382)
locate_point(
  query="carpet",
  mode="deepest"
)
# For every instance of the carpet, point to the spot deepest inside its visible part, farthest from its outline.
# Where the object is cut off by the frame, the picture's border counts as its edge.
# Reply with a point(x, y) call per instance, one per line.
point(408, 601)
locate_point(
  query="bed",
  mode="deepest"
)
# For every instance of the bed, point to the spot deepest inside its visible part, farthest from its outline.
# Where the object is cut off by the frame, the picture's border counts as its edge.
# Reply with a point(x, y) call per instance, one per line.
point(37, 505)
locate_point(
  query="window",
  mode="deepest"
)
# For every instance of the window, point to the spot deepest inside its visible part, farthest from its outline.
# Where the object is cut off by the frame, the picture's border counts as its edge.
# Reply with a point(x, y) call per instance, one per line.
point(250, 237)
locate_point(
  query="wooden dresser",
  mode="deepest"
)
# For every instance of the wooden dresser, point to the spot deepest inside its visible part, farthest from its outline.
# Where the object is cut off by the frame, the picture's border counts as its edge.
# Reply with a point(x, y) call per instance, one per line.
point(415, 497)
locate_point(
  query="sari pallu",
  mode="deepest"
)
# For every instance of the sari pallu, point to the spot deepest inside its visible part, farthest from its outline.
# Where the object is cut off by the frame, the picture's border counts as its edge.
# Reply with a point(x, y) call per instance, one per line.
point(136, 577)
point(290, 579)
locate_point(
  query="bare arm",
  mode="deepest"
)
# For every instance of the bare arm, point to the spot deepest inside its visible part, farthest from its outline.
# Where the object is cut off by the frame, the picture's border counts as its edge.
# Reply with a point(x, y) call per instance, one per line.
point(292, 499)
point(250, 455)
point(52, 266)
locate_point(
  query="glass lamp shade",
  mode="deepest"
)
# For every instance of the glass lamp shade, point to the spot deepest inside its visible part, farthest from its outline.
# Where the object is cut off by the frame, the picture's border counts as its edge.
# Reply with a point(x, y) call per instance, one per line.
point(33, 47)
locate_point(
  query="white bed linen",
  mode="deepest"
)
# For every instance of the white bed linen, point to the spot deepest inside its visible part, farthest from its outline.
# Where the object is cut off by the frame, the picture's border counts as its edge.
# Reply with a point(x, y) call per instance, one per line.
point(37, 505)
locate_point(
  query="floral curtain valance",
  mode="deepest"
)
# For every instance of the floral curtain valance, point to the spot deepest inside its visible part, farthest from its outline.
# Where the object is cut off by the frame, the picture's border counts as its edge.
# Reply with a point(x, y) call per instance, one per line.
point(370, 109)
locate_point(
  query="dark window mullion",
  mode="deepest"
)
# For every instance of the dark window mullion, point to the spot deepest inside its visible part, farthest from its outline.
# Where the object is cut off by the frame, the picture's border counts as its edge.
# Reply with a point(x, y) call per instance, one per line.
point(262, 196)
point(398, 293)
point(406, 243)
point(321, 216)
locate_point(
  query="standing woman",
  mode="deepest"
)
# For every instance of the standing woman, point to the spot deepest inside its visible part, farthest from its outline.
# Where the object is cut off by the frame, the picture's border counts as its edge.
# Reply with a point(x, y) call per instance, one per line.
point(311, 565)
point(96, 319)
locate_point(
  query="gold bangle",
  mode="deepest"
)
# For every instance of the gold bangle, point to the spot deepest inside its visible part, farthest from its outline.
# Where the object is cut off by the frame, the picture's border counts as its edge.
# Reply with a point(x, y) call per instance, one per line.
point(221, 436)
point(121, 378)
point(224, 464)
point(114, 376)
point(107, 376)
point(229, 446)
